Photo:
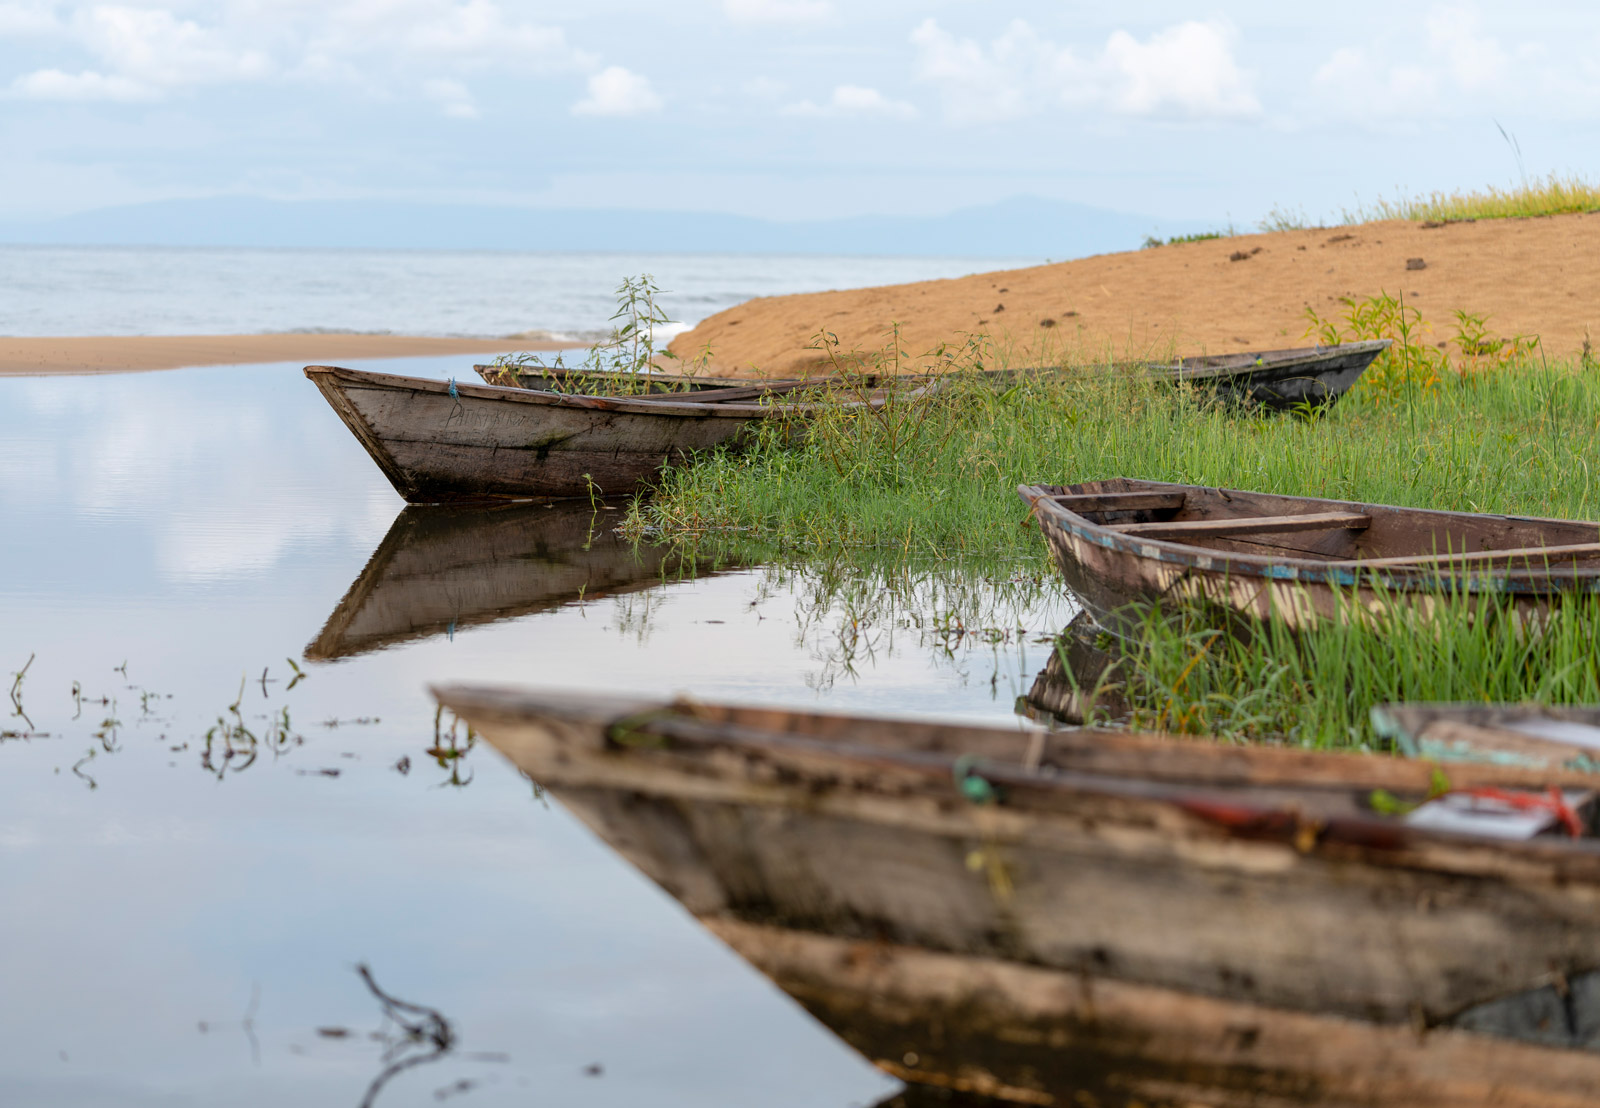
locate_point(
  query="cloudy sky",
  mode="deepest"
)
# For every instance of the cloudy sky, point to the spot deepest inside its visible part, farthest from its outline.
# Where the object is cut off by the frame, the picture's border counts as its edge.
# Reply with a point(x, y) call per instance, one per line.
point(803, 108)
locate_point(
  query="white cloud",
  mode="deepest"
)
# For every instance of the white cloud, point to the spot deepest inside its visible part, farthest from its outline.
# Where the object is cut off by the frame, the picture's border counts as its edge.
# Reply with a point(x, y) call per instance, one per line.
point(154, 46)
point(381, 47)
point(28, 18)
point(619, 92)
point(777, 11)
point(53, 84)
point(854, 100)
point(142, 53)
point(1472, 57)
point(472, 34)
point(1457, 59)
point(1186, 70)
point(453, 98)
point(1361, 83)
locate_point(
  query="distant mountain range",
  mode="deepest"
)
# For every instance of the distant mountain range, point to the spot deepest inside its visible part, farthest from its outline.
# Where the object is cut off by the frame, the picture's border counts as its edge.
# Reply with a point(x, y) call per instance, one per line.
point(1022, 227)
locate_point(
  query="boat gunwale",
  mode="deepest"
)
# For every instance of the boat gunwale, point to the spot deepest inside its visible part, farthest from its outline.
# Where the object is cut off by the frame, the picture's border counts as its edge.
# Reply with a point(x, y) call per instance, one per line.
point(1331, 572)
point(1268, 362)
point(1228, 809)
point(578, 401)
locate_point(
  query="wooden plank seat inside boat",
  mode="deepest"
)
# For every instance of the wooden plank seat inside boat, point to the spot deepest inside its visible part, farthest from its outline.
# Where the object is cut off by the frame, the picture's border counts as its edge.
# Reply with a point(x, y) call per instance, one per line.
point(1251, 525)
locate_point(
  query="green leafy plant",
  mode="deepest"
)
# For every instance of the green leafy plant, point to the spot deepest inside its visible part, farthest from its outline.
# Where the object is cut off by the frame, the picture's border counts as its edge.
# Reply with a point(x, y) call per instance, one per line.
point(624, 363)
point(1412, 362)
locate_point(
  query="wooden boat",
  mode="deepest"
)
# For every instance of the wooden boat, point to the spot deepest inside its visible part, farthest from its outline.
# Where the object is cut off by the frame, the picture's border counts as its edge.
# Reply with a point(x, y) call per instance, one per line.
point(1124, 544)
point(1532, 735)
point(1027, 914)
point(1282, 380)
point(441, 441)
point(445, 568)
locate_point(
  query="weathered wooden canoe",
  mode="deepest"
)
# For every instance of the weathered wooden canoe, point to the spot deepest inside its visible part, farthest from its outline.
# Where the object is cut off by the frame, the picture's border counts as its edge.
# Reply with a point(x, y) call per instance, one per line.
point(1123, 544)
point(1532, 735)
point(1025, 914)
point(444, 568)
point(440, 441)
point(1279, 379)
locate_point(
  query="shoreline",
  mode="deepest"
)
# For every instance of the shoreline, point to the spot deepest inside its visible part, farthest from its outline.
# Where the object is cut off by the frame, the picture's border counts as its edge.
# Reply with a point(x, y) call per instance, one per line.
point(47, 356)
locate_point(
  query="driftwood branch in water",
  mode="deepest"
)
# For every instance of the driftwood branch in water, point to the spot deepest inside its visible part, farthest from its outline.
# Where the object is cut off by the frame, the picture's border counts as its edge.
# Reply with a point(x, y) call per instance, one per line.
point(432, 1029)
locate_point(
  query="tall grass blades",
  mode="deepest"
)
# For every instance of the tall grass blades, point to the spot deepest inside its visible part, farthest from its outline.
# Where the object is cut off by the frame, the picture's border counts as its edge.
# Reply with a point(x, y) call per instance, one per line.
point(1552, 195)
point(1315, 686)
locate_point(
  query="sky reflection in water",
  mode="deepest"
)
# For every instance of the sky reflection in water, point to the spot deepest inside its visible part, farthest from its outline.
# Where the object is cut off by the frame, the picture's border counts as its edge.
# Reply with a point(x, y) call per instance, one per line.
point(202, 526)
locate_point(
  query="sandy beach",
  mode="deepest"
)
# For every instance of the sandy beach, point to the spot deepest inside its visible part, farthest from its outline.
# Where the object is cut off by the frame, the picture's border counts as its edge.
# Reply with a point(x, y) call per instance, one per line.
point(1530, 276)
point(120, 354)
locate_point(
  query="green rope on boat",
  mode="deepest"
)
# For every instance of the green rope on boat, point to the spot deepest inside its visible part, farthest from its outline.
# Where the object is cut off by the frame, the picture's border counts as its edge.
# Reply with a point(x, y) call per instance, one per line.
point(970, 783)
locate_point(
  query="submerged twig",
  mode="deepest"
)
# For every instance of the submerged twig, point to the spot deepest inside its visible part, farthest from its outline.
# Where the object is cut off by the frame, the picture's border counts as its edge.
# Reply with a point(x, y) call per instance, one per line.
point(432, 1029)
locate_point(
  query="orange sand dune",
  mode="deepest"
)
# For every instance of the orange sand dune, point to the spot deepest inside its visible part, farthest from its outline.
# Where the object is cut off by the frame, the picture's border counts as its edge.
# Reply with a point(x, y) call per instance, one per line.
point(1530, 276)
point(110, 354)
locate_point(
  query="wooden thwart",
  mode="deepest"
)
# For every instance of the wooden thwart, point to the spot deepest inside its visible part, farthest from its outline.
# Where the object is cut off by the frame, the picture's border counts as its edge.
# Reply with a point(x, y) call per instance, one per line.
point(747, 392)
point(1120, 501)
point(1255, 525)
point(1530, 552)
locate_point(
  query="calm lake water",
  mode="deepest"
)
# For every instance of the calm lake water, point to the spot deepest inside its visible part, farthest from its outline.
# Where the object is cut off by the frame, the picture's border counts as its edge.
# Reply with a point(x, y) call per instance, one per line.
point(180, 926)
point(103, 290)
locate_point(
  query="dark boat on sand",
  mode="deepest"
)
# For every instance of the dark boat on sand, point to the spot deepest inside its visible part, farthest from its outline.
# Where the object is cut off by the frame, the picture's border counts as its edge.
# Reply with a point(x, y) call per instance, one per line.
point(1032, 915)
point(445, 568)
point(1124, 544)
point(1283, 380)
point(440, 441)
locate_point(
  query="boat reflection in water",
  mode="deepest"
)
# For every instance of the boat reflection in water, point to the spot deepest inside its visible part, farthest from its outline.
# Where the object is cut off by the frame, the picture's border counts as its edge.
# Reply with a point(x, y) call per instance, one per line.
point(443, 568)
point(1092, 917)
point(1080, 683)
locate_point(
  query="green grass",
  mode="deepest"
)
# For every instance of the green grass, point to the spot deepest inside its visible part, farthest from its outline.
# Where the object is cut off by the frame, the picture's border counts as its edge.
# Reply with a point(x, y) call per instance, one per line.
point(1152, 241)
point(1553, 195)
point(937, 476)
point(930, 482)
point(1316, 687)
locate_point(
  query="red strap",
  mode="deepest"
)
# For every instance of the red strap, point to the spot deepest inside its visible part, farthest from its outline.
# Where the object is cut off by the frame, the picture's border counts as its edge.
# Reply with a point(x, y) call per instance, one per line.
point(1554, 802)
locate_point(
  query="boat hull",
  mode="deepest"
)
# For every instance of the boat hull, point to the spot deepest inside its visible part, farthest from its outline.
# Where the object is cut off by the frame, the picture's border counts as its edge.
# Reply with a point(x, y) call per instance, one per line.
point(440, 441)
point(1284, 380)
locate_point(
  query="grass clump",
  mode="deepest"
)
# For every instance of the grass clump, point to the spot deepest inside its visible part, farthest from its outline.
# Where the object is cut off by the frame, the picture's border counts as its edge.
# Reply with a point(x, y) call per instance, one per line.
point(1552, 195)
point(1152, 241)
point(1316, 686)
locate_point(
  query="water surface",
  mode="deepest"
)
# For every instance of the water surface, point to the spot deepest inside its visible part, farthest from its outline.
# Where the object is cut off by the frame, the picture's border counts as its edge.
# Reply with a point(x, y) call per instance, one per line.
point(117, 290)
point(184, 914)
